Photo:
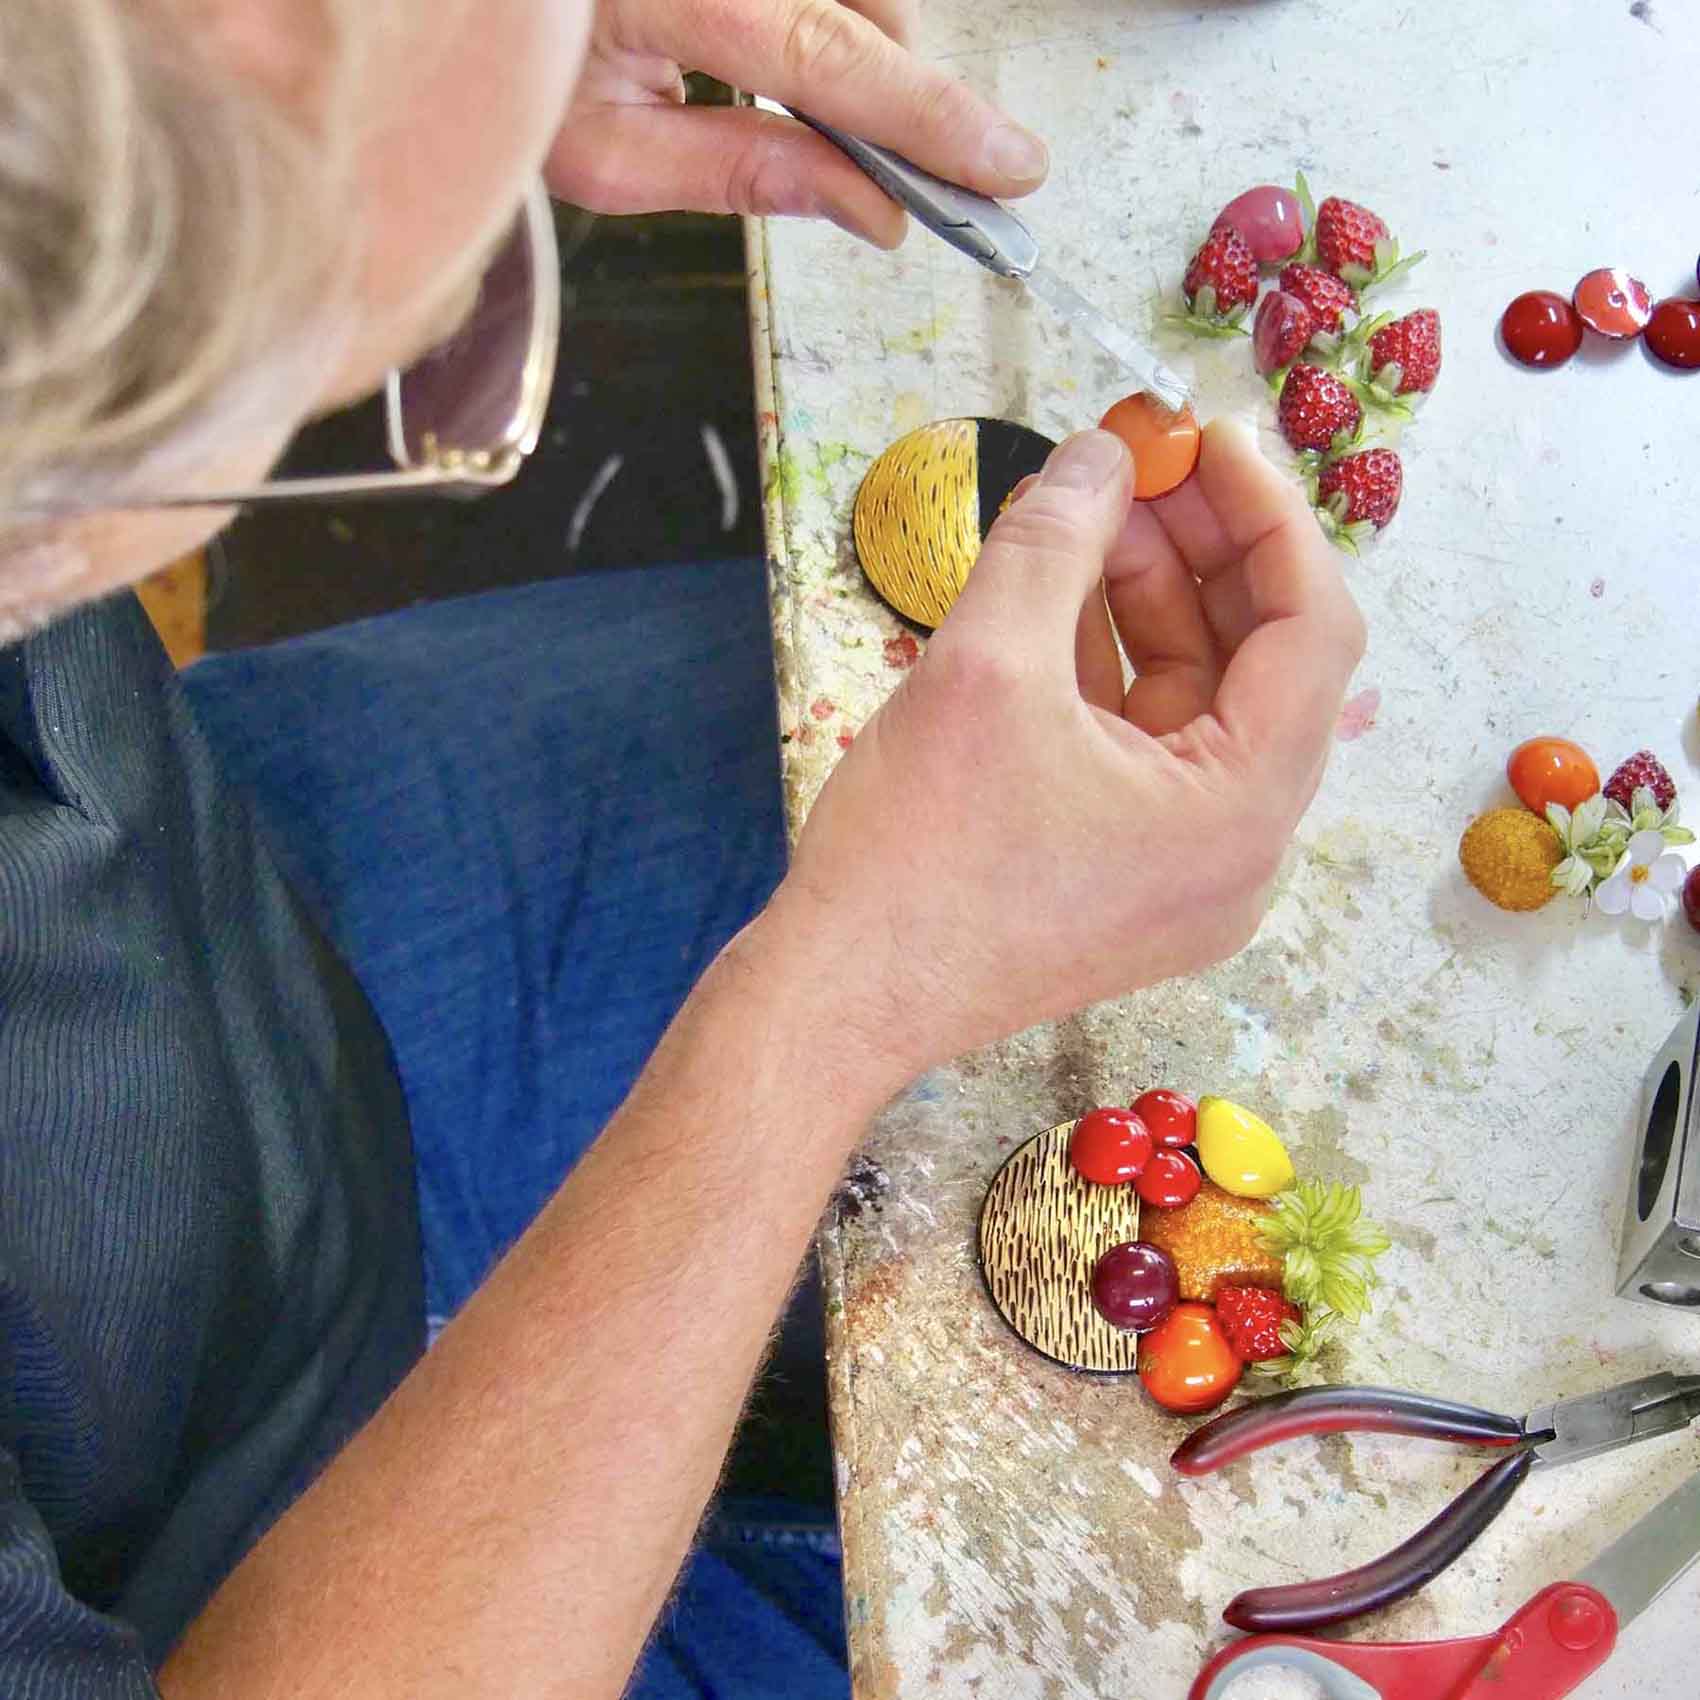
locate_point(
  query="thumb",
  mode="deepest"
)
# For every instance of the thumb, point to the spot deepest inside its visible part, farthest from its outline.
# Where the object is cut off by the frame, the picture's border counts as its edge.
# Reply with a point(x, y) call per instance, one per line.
point(1045, 554)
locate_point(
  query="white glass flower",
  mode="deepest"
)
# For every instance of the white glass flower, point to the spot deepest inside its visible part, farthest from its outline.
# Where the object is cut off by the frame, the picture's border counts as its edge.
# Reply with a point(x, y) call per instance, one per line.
point(1646, 880)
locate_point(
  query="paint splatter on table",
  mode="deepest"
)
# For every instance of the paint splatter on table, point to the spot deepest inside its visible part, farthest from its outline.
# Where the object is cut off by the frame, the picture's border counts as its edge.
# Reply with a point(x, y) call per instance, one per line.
point(1012, 1529)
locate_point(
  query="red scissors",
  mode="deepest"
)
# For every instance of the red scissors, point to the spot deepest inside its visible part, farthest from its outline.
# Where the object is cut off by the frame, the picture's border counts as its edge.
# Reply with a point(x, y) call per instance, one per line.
point(1556, 1639)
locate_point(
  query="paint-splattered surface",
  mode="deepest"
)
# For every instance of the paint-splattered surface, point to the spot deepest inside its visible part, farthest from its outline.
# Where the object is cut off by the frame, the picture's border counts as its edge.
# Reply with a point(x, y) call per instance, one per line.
point(1011, 1530)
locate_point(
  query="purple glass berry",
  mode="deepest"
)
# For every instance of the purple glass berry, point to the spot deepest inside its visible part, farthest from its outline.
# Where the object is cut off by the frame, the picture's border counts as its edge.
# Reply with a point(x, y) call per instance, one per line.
point(1134, 1285)
point(1268, 218)
point(1281, 331)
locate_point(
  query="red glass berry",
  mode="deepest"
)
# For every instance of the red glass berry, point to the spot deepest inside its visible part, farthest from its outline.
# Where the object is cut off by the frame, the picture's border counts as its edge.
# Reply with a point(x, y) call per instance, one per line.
point(1691, 897)
point(1268, 218)
point(1171, 1117)
point(1541, 329)
point(1613, 303)
point(1170, 1179)
point(1110, 1146)
point(1134, 1285)
point(1673, 333)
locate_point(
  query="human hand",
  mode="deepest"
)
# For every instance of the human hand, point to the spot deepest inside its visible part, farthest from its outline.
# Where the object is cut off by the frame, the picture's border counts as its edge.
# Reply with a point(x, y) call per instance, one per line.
point(629, 144)
point(1012, 836)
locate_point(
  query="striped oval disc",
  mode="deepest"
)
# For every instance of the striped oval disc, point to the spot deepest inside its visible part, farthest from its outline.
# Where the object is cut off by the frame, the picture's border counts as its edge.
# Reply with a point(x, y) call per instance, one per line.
point(1042, 1230)
point(925, 505)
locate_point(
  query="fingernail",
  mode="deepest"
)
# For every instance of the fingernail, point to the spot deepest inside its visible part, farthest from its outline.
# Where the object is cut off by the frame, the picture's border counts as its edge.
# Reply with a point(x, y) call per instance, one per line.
point(1017, 153)
point(1087, 461)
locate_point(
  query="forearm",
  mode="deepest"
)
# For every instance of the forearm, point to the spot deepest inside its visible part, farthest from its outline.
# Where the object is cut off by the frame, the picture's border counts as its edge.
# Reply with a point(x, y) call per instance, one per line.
point(511, 1521)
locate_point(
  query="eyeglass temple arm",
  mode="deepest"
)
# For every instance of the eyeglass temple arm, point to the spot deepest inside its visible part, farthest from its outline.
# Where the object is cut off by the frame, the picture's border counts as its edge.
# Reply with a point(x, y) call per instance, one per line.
point(354, 487)
point(397, 486)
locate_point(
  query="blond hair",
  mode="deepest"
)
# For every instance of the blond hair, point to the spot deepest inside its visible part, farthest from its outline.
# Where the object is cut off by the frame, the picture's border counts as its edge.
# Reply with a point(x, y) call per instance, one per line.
point(166, 234)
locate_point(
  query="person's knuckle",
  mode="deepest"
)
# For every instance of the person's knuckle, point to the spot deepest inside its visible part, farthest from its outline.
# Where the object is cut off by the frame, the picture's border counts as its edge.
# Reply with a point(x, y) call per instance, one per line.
point(1236, 882)
point(760, 181)
point(1242, 926)
point(947, 107)
point(1221, 928)
point(824, 44)
point(971, 671)
point(1259, 865)
point(587, 178)
point(1212, 745)
point(1248, 832)
point(898, 19)
point(1041, 522)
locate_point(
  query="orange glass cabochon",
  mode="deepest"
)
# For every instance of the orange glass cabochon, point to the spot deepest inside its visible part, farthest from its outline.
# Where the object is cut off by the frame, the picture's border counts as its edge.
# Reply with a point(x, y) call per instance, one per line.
point(1163, 443)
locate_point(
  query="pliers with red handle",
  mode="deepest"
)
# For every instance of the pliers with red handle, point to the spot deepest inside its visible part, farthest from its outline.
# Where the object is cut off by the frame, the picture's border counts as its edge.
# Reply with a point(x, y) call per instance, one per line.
point(1560, 1433)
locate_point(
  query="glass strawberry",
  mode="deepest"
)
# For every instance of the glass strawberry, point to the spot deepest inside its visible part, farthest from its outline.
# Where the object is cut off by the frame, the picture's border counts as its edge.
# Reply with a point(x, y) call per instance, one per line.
point(1317, 409)
point(1326, 296)
point(1356, 495)
point(1401, 356)
point(1354, 244)
point(1220, 284)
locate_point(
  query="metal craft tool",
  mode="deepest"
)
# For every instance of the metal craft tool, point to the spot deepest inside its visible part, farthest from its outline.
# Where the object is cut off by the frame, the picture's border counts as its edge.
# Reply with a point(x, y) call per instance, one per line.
point(990, 234)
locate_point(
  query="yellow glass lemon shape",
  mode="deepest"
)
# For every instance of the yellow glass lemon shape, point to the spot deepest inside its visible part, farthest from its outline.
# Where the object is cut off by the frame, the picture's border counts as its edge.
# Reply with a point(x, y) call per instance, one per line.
point(1240, 1152)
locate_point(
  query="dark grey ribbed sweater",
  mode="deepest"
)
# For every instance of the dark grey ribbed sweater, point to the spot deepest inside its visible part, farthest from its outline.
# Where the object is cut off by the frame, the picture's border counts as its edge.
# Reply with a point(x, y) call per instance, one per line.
point(209, 1265)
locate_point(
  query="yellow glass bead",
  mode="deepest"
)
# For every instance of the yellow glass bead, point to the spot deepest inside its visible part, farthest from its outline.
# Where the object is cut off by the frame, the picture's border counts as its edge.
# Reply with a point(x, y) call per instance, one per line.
point(1240, 1152)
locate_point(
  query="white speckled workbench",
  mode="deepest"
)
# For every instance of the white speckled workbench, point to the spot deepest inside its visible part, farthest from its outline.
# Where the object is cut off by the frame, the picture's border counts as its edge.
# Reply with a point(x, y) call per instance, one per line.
point(1012, 1531)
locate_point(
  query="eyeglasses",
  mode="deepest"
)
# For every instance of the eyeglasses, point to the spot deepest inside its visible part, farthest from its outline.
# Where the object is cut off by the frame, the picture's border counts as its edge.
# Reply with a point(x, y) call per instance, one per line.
point(461, 421)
